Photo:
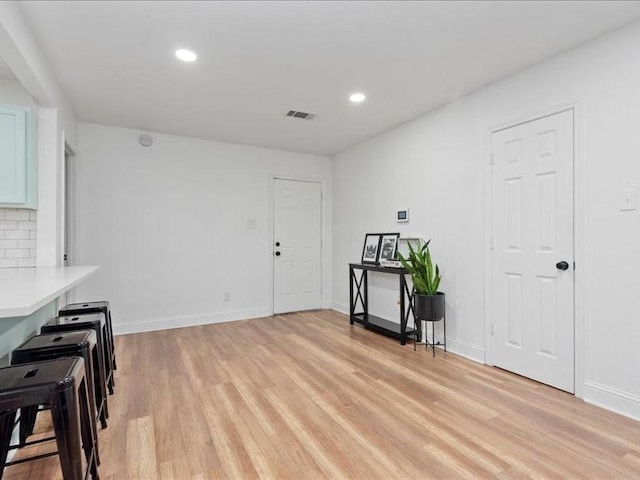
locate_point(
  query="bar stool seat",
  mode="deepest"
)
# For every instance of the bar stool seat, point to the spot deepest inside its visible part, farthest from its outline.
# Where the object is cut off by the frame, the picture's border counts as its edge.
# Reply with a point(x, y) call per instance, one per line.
point(101, 306)
point(81, 343)
point(62, 385)
point(93, 321)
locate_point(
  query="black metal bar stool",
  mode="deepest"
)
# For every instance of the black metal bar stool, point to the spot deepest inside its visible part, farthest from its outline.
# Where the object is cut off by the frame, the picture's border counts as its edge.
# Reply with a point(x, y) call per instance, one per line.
point(81, 343)
point(98, 323)
point(62, 385)
point(94, 307)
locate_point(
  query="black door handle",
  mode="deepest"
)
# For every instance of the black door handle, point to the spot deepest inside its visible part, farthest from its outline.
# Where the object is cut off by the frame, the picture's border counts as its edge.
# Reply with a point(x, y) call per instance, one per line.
point(277, 244)
point(277, 254)
point(562, 265)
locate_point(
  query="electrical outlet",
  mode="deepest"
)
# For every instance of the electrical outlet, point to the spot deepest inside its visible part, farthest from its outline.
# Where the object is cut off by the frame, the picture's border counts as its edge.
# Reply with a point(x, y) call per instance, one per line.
point(227, 297)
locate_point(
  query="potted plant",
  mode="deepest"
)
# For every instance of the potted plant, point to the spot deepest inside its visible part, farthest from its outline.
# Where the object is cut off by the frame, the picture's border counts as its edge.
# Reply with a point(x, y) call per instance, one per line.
point(428, 302)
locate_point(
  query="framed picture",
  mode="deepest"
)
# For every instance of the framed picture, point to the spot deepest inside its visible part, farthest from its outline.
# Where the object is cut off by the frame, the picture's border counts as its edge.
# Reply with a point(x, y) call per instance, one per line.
point(371, 248)
point(388, 246)
point(403, 245)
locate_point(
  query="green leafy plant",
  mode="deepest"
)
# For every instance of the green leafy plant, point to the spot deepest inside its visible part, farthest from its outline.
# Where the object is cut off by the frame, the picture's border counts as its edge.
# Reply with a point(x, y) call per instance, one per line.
point(425, 276)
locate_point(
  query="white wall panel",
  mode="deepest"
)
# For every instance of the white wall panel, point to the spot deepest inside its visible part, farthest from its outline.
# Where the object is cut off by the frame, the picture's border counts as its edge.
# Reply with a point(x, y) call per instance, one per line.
point(513, 192)
point(546, 309)
point(546, 211)
point(514, 309)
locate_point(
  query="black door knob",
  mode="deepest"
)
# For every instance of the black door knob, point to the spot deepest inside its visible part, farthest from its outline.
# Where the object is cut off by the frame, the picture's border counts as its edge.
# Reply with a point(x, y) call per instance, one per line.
point(277, 254)
point(277, 244)
point(562, 265)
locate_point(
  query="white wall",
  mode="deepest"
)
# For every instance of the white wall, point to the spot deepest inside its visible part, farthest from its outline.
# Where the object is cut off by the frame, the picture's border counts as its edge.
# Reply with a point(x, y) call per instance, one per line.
point(435, 165)
point(168, 224)
point(13, 93)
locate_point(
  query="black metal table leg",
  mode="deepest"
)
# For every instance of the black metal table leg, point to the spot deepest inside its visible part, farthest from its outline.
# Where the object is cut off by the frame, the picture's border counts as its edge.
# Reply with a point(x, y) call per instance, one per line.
point(352, 306)
point(403, 317)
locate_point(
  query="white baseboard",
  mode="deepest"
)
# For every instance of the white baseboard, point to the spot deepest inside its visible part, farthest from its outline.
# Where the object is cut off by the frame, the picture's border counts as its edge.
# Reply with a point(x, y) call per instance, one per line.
point(338, 307)
point(464, 349)
point(619, 401)
point(188, 321)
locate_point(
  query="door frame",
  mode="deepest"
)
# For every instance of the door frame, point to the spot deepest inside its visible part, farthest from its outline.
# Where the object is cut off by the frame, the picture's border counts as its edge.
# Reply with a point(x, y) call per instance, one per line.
point(324, 257)
point(579, 231)
point(69, 207)
point(68, 213)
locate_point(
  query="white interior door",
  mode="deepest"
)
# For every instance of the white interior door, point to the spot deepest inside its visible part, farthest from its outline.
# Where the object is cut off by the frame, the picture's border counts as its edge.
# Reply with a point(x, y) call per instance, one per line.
point(297, 246)
point(533, 325)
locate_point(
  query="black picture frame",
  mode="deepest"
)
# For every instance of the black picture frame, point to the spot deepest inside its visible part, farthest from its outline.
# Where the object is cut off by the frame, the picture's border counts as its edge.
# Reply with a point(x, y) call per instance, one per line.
point(371, 248)
point(388, 246)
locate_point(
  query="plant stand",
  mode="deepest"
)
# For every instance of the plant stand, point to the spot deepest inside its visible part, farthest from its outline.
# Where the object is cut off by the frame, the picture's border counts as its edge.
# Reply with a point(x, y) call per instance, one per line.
point(433, 344)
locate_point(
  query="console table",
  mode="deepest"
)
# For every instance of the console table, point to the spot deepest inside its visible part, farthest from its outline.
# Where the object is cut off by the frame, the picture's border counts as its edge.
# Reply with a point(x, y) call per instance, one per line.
point(359, 295)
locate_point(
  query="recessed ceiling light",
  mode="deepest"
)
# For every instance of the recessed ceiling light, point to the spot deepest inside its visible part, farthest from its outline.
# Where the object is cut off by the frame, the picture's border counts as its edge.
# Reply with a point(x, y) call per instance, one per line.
point(357, 97)
point(186, 55)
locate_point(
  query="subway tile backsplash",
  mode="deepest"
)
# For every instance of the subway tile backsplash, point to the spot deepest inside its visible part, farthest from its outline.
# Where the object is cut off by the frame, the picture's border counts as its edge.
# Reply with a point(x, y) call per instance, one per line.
point(18, 238)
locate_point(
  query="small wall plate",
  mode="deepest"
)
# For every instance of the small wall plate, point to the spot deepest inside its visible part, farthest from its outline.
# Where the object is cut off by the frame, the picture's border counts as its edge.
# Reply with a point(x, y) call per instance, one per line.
point(403, 216)
point(145, 140)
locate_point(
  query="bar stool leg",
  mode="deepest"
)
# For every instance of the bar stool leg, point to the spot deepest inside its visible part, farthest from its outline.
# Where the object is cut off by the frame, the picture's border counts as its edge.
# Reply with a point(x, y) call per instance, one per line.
point(27, 421)
point(90, 395)
point(112, 359)
point(88, 407)
point(109, 357)
point(88, 430)
point(65, 413)
point(7, 420)
point(113, 347)
point(107, 361)
point(100, 386)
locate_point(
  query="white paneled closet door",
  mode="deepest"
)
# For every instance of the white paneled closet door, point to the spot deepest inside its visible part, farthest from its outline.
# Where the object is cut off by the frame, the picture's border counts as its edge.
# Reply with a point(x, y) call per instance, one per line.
point(533, 281)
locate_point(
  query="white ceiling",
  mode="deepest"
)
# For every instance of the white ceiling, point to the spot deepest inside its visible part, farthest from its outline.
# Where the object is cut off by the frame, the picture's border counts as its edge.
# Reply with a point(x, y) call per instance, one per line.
point(5, 71)
point(257, 60)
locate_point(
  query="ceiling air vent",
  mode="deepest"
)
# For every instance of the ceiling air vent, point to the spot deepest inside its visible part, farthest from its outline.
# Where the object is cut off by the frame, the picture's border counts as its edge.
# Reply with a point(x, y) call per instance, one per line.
point(301, 115)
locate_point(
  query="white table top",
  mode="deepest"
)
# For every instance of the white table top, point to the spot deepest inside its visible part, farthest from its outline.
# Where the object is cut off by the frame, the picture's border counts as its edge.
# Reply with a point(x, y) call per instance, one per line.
point(25, 290)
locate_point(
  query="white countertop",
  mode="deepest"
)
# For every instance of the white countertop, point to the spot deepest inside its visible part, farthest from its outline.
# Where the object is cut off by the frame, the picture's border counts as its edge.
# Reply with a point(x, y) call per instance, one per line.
point(25, 290)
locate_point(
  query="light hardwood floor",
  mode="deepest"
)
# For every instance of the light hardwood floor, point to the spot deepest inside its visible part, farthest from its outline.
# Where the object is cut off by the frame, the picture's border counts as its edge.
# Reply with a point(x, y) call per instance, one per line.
point(306, 396)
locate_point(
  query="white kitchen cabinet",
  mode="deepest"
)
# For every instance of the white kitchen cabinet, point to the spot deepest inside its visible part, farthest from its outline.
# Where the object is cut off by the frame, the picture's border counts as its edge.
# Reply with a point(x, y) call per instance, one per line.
point(18, 158)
